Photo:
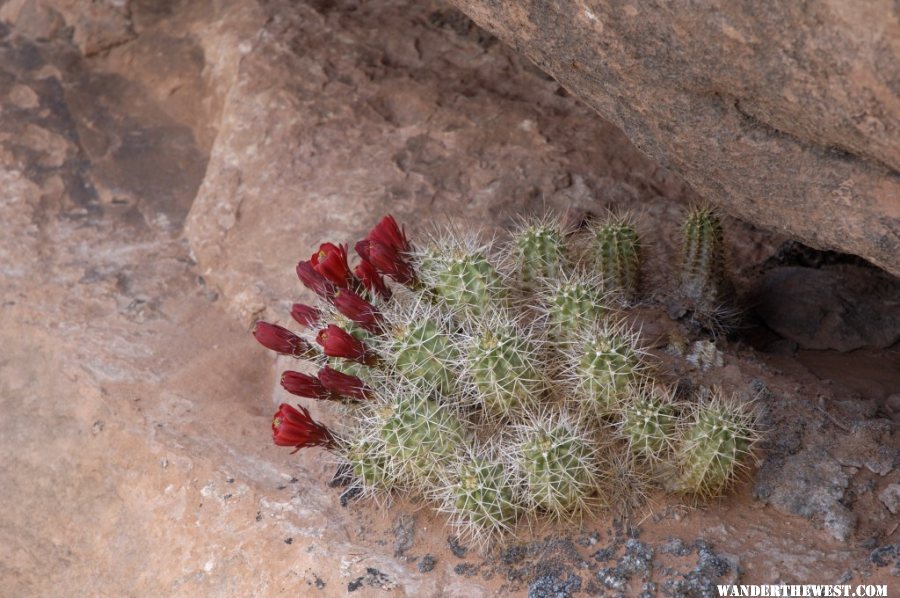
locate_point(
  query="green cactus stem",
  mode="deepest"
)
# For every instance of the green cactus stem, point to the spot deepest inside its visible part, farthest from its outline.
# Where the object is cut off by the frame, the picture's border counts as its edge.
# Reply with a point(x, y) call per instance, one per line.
point(703, 257)
point(479, 495)
point(419, 347)
point(715, 445)
point(616, 255)
point(557, 463)
point(540, 252)
point(602, 365)
point(648, 423)
point(572, 305)
point(420, 438)
point(503, 362)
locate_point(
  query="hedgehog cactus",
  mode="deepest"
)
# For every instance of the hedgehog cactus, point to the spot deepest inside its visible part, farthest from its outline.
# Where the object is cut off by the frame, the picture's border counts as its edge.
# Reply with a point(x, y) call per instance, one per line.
point(368, 460)
point(497, 384)
point(421, 350)
point(462, 277)
point(420, 438)
point(557, 464)
point(478, 493)
point(715, 444)
point(702, 256)
point(540, 252)
point(602, 364)
point(571, 304)
point(648, 423)
point(504, 364)
point(616, 255)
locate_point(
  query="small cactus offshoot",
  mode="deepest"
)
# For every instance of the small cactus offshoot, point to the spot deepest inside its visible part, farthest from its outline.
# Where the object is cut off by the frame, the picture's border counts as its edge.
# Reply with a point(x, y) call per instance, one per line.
point(602, 365)
point(419, 346)
point(702, 255)
point(501, 385)
point(572, 304)
point(540, 252)
point(703, 280)
point(616, 255)
point(648, 423)
point(461, 275)
point(420, 438)
point(369, 463)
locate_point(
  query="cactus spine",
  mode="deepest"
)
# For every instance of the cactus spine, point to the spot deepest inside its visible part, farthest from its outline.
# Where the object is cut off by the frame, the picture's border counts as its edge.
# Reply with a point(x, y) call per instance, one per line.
point(616, 255)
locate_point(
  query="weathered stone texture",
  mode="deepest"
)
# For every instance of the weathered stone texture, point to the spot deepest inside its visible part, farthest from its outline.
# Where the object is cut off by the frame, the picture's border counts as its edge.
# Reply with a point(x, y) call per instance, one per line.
point(785, 113)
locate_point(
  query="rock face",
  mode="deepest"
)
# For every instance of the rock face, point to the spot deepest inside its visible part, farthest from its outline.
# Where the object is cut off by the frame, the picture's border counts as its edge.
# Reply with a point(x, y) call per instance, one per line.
point(341, 114)
point(788, 115)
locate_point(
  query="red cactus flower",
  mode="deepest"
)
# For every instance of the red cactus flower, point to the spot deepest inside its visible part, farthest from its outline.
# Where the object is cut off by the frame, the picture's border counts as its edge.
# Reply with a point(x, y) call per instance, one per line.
point(314, 281)
point(293, 427)
point(337, 342)
point(343, 384)
point(331, 262)
point(372, 280)
point(304, 385)
point(357, 309)
point(306, 315)
point(386, 260)
point(282, 340)
point(390, 235)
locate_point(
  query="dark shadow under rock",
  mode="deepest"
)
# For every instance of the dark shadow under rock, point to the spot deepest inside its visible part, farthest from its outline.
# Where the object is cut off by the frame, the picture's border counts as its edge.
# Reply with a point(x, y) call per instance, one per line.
point(842, 308)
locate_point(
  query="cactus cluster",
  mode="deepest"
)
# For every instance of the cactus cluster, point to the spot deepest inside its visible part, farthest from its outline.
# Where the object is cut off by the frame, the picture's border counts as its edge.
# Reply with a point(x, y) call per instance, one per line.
point(502, 380)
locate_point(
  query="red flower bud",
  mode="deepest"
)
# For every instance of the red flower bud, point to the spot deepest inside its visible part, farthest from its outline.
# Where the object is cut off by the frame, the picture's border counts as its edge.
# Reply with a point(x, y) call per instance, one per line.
point(314, 281)
point(387, 233)
point(357, 309)
point(331, 262)
point(304, 385)
point(343, 384)
point(337, 342)
point(282, 340)
point(292, 427)
point(372, 280)
point(386, 260)
point(306, 315)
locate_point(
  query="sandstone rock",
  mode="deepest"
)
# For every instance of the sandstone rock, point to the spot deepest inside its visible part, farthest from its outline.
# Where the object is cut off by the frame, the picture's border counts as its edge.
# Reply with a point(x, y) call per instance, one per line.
point(810, 484)
point(125, 392)
point(890, 498)
point(788, 115)
point(337, 117)
point(97, 25)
